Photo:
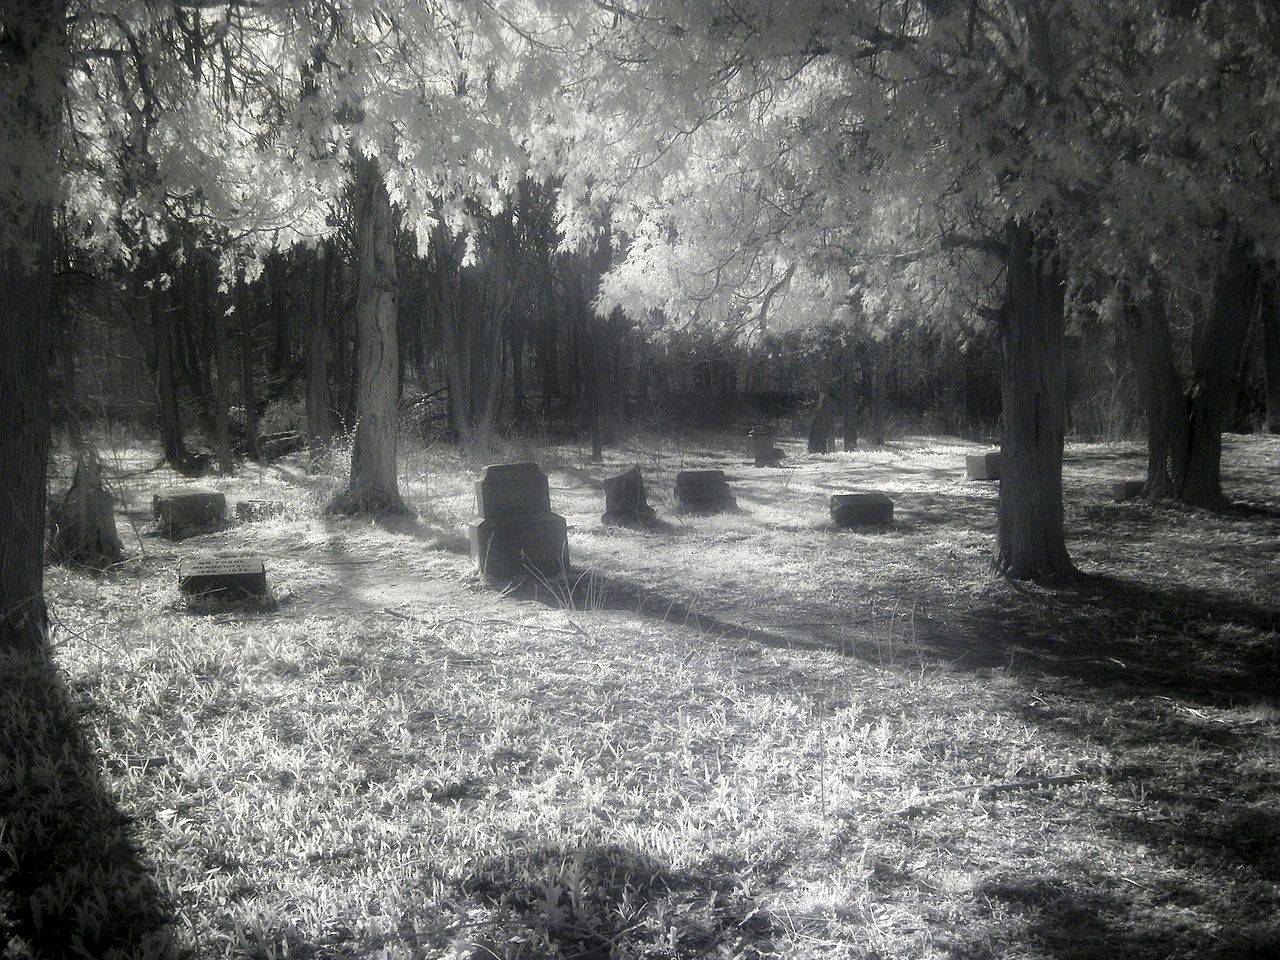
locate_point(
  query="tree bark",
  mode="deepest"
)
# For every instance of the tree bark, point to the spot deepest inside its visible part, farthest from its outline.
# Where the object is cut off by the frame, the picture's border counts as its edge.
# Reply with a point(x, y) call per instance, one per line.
point(1269, 316)
point(849, 395)
point(319, 423)
point(248, 391)
point(373, 487)
point(1149, 344)
point(1030, 543)
point(222, 371)
point(33, 65)
point(875, 391)
point(822, 423)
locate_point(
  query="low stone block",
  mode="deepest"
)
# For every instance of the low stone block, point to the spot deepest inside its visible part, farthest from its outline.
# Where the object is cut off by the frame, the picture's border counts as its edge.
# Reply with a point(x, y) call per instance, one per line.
point(762, 448)
point(703, 491)
point(504, 549)
point(1128, 490)
point(861, 509)
point(185, 511)
point(224, 578)
point(250, 510)
point(982, 466)
point(512, 488)
point(624, 500)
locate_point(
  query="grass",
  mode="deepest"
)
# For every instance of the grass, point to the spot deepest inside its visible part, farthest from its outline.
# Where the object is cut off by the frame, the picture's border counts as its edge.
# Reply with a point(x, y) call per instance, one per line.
point(750, 735)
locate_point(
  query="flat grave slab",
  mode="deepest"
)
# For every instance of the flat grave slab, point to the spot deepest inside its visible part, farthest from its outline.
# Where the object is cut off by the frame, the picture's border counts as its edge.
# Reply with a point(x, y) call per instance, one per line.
point(515, 532)
point(870, 509)
point(1128, 489)
point(224, 577)
point(703, 491)
point(982, 466)
point(624, 500)
point(185, 511)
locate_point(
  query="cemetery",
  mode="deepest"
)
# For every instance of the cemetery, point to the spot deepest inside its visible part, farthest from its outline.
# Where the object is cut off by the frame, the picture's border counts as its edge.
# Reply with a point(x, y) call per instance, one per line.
point(639, 480)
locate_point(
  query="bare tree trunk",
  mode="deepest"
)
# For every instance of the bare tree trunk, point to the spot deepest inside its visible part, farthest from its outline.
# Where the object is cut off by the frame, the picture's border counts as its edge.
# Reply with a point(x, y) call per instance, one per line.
point(222, 372)
point(1030, 543)
point(822, 424)
point(1269, 315)
point(319, 423)
point(33, 66)
point(85, 533)
point(1145, 330)
point(875, 391)
point(373, 487)
point(168, 415)
point(849, 394)
point(248, 392)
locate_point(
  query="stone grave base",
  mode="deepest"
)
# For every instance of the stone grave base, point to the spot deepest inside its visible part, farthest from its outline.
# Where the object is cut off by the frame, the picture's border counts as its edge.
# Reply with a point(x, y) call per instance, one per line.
point(861, 509)
point(183, 512)
point(509, 547)
point(223, 578)
point(982, 466)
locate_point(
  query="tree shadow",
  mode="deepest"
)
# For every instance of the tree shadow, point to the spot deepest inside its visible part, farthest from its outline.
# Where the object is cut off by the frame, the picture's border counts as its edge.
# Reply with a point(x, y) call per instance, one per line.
point(72, 881)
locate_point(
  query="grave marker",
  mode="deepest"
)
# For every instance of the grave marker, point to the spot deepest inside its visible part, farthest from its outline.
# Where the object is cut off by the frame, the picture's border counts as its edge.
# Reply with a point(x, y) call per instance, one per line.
point(703, 491)
point(762, 448)
point(982, 466)
point(624, 501)
point(184, 511)
point(516, 533)
point(1128, 489)
point(861, 509)
point(224, 578)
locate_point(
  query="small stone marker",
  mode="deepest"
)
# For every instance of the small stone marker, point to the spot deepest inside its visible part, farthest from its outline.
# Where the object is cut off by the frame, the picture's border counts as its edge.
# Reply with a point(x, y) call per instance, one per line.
point(703, 491)
point(624, 501)
point(224, 578)
point(861, 509)
point(249, 510)
point(765, 453)
point(183, 511)
point(516, 532)
point(1128, 489)
point(982, 466)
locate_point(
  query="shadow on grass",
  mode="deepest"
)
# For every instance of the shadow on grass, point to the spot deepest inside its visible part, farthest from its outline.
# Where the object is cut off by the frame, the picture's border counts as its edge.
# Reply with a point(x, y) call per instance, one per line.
point(72, 882)
point(605, 901)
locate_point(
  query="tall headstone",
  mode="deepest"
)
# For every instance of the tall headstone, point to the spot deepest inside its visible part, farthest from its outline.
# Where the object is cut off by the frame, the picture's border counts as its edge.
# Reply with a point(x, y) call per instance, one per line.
point(515, 532)
point(223, 578)
point(185, 511)
point(861, 509)
point(703, 491)
point(762, 448)
point(982, 466)
point(624, 501)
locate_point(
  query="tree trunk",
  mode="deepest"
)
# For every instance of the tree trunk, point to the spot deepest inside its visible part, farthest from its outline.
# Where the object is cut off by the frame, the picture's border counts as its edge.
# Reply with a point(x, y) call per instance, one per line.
point(875, 391)
point(1269, 316)
point(373, 487)
point(1030, 544)
point(33, 66)
point(168, 414)
point(222, 370)
point(249, 394)
point(1217, 358)
point(319, 424)
point(823, 423)
point(1149, 345)
point(849, 395)
point(85, 532)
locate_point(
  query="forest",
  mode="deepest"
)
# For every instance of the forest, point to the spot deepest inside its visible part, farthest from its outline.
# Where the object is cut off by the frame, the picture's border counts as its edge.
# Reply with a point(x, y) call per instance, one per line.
point(977, 657)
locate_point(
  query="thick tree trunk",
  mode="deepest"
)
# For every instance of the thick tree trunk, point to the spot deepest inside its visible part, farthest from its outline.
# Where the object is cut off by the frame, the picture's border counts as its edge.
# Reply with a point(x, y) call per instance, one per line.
point(168, 415)
point(1269, 316)
point(222, 372)
point(319, 423)
point(248, 391)
point(1217, 358)
point(849, 395)
point(1030, 544)
point(373, 487)
point(33, 67)
point(1149, 344)
point(876, 377)
point(822, 424)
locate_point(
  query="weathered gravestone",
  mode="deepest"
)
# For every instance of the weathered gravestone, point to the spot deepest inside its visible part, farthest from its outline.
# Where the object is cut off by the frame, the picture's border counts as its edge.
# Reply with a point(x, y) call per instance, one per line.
point(982, 466)
point(516, 532)
point(624, 501)
point(250, 510)
point(184, 511)
point(762, 448)
point(222, 578)
point(1128, 489)
point(703, 491)
point(861, 509)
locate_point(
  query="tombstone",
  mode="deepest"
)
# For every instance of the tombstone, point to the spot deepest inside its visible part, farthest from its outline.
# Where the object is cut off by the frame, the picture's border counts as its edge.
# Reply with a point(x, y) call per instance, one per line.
point(982, 466)
point(624, 501)
point(861, 509)
point(762, 448)
point(222, 578)
point(703, 491)
point(184, 511)
point(516, 533)
point(1128, 489)
point(249, 510)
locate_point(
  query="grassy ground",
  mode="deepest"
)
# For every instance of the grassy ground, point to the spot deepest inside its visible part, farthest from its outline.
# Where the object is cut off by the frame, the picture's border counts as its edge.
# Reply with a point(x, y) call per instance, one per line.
point(750, 735)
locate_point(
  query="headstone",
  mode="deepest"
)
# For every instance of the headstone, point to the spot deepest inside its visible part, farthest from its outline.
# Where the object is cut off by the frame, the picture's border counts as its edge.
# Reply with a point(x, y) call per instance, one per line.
point(861, 509)
point(249, 510)
point(982, 466)
point(624, 501)
point(1128, 489)
point(224, 578)
point(703, 491)
point(184, 511)
point(516, 533)
point(762, 448)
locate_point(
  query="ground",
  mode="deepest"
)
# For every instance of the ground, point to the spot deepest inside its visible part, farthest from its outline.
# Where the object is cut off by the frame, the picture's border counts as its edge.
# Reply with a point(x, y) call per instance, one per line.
point(749, 735)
